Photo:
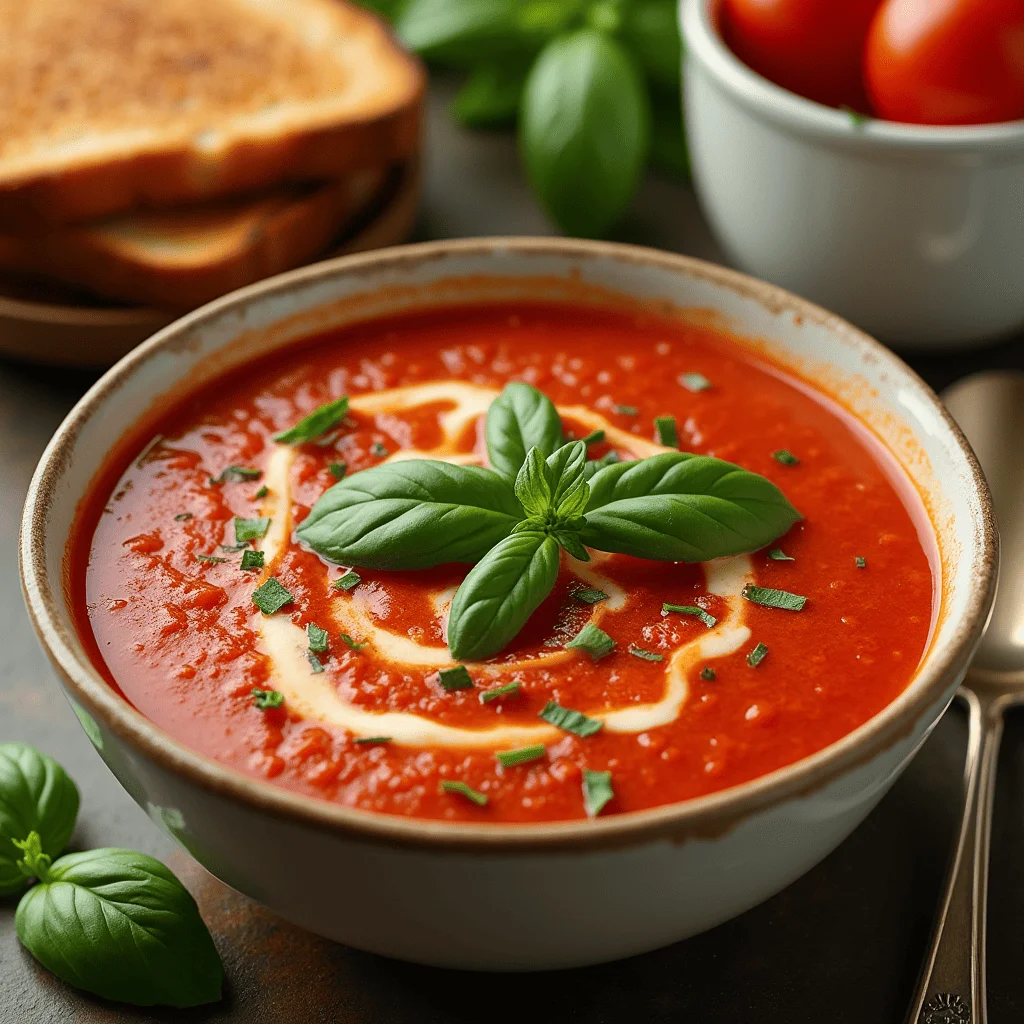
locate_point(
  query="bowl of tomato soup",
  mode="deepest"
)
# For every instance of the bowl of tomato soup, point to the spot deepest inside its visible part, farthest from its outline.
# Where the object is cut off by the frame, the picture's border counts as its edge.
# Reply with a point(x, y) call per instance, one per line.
point(336, 620)
point(911, 231)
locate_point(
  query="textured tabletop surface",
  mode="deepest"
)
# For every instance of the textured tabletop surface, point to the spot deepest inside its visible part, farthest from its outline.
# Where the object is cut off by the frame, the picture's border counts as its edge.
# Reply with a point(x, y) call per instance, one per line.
point(842, 945)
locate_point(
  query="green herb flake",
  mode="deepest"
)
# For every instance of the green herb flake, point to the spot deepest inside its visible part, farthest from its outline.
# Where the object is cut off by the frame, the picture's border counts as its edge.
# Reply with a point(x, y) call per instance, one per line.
point(367, 741)
point(250, 529)
point(708, 673)
point(349, 642)
point(523, 755)
point(317, 637)
point(861, 562)
point(451, 786)
point(456, 678)
point(626, 410)
point(338, 469)
point(183, 517)
point(378, 449)
point(597, 791)
point(252, 559)
point(588, 595)
point(236, 475)
point(569, 720)
point(785, 457)
point(639, 652)
point(262, 492)
point(668, 435)
point(316, 423)
point(857, 119)
point(315, 663)
point(348, 581)
point(266, 699)
point(211, 559)
point(691, 609)
point(234, 547)
point(757, 655)
point(695, 382)
point(508, 690)
point(770, 598)
point(596, 642)
point(271, 597)
point(778, 555)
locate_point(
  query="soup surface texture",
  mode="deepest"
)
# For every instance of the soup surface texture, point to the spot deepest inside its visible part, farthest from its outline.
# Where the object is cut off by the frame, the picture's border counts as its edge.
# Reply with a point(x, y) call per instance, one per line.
point(687, 704)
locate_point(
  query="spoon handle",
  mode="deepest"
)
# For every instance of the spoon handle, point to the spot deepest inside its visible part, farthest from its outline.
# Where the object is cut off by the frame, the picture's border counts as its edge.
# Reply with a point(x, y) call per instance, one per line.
point(952, 985)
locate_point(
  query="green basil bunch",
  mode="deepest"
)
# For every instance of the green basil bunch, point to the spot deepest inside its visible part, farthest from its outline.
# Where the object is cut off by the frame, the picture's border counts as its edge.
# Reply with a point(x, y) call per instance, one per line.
point(594, 85)
point(116, 923)
point(543, 494)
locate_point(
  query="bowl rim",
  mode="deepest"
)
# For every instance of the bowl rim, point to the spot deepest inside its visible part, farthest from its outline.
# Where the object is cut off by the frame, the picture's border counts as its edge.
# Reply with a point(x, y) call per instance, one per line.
point(704, 42)
point(701, 817)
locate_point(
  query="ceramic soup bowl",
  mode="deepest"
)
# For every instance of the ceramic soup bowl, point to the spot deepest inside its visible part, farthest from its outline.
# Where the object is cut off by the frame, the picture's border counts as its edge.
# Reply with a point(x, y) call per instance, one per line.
point(514, 896)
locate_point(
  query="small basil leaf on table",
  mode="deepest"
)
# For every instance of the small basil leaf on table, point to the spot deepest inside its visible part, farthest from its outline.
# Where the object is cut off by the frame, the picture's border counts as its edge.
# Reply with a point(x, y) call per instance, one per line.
point(411, 515)
point(118, 923)
point(490, 97)
point(683, 508)
point(519, 419)
point(36, 795)
point(318, 422)
point(500, 593)
point(584, 130)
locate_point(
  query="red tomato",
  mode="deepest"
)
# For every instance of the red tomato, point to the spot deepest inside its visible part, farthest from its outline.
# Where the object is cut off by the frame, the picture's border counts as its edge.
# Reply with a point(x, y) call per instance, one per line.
point(811, 47)
point(947, 61)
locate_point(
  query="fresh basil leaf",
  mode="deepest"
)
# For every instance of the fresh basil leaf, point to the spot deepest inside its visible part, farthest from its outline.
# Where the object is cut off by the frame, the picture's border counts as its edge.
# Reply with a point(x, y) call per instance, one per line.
point(411, 515)
point(683, 508)
point(595, 465)
point(490, 98)
point(534, 485)
point(650, 29)
point(570, 540)
point(118, 923)
point(500, 593)
point(318, 422)
point(36, 795)
point(570, 491)
point(385, 8)
point(597, 791)
point(519, 419)
point(584, 130)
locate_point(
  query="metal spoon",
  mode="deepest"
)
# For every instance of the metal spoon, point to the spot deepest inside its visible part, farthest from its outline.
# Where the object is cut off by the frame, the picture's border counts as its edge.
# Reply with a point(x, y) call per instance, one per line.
point(990, 409)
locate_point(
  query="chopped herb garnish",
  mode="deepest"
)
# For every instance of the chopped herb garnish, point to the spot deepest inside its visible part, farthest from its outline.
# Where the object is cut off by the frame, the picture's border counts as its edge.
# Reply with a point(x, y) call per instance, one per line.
point(455, 678)
point(757, 655)
point(250, 529)
point(266, 699)
point(315, 663)
point(594, 437)
point(451, 786)
point(695, 382)
point(338, 469)
point(234, 547)
point(252, 559)
point(378, 449)
point(588, 595)
point(668, 435)
point(597, 791)
point(271, 597)
point(786, 457)
point(691, 609)
point(317, 637)
point(316, 423)
point(596, 642)
point(211, 559)
point(262, 492)
point(708, 673)
point(771, 598)
point(778, 555)
point(183, 517)
point(369, 740)
point(348, 581)
point(626, 410)
point(570, 721)
point(861, 562)
point(511, 758)
point(508, 690)
point(349, 642)
point(639, 652)
point(236, 475)
point(857, 119)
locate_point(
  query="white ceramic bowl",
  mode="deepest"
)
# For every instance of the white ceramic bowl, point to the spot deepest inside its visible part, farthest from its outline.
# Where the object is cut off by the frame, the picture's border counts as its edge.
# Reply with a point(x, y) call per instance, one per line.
point(913, 233)
point(513, 897)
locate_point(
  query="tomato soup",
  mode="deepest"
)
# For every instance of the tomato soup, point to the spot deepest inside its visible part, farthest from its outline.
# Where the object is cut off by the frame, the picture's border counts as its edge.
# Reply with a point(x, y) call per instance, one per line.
point(347, 690)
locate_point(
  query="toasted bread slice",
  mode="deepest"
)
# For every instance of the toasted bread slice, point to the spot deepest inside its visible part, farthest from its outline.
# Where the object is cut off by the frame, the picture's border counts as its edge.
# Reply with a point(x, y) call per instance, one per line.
point(109, 105)
point(183, 258)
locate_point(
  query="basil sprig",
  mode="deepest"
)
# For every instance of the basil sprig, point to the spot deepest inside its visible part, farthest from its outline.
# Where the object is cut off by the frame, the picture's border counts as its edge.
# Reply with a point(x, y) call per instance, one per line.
point(512, 520)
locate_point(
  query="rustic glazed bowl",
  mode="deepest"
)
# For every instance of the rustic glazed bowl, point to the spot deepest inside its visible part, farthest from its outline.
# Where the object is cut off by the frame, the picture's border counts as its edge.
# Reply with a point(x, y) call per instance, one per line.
point(514, 896)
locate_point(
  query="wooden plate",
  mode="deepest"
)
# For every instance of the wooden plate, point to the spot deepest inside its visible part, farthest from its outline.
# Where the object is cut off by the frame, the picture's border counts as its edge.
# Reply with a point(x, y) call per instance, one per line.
point(45, 322)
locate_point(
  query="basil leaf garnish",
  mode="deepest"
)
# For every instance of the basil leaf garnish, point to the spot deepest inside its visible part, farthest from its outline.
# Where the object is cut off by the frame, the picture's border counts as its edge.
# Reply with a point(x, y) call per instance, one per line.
point(36, 795)
point(411, 515)
point(683, 508)
point(519, 419)
point(318, 422)
point(533, 485)
point(118, 923)
point(570, 492)
point(500, 593)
